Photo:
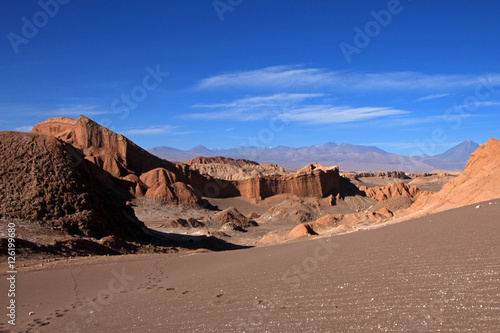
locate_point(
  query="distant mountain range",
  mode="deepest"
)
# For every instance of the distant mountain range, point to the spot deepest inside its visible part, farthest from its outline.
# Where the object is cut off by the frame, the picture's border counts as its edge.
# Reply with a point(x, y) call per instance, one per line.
point(348, 157)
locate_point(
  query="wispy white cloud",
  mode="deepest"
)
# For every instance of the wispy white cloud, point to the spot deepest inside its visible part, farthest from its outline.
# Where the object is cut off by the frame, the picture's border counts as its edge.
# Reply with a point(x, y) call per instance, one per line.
point(66, 110)
point(252, 108)
point(327, 114)
point(153, 130)
point(262, 101)
point(278, 76)
point(297, 76)
point(23, 129)
point(292, 107)
point(76, 110)
point(434, 96)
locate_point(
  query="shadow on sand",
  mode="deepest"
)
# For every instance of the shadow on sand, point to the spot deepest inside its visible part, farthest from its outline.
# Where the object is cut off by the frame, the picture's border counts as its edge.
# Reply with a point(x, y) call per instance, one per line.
point(191, 242)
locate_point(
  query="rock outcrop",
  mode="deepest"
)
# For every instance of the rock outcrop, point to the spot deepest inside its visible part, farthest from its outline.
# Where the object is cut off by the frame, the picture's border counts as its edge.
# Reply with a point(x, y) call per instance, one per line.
point(232, 172)
point(292, 210)
point(142, 174)
point(390, 191)
point(182, 223)
point(253, 215)
point(381, 214)
point(110, 151)
point(385, 174)
point(395, 203)
point(220, 160)
point(162, 185)
point(232, 216)
point(46, 181)
point(312, 181)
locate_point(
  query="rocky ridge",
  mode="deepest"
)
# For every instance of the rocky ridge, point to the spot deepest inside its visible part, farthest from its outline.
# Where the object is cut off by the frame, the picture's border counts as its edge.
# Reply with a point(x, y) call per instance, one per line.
point(46, 180)
point(232, 172)
point(480, 181)
point(392, 190)
point(220, 160)
point(143, 174)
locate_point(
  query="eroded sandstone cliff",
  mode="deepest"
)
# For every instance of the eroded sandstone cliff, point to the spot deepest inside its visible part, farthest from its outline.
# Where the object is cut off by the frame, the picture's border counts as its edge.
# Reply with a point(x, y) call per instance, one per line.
point(143, 174)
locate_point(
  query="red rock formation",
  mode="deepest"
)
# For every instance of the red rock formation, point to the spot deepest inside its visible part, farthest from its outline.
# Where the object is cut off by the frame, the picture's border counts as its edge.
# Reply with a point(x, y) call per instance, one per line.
point(111, 151)
point(328, 224)
point(116, 243)
point(182, 223)
point(303, 229)
point(390, 191)
point(144, 174)
point(480, 181)
point(384, 174)
point(230, 215)
point(395, 203)
point(45, 181)
point(253, 215)
point(292, 210)
point(231, 172)
point(312, 181)
point(220, 160)
point(381, 214)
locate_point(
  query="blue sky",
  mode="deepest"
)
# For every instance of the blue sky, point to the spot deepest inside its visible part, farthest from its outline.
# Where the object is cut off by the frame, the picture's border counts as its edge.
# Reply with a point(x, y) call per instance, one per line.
point(411, 77)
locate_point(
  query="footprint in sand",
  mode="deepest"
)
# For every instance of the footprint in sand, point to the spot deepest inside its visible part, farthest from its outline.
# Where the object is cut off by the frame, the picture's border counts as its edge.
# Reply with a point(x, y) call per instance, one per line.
point(42, 322)
point(60, 313)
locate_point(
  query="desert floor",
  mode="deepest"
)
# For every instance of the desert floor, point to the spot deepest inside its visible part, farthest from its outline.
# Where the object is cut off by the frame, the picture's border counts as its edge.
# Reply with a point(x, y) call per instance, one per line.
point(437, 273)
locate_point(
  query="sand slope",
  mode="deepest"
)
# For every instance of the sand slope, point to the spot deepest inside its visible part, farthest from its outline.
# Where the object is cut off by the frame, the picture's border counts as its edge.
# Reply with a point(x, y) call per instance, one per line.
point(441, 271)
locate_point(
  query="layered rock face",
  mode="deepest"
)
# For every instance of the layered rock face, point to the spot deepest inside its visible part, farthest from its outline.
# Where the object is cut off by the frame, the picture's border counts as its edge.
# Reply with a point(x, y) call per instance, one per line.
point(142, 174)
point(112, 152)
point(312, 181)
point(385, 174)
point(392, 190)
point(47, 181)
point(232, 172)
point(480, 181)
point(220, 160)
point(293, 210)
point(230, 215)
point(163, 185)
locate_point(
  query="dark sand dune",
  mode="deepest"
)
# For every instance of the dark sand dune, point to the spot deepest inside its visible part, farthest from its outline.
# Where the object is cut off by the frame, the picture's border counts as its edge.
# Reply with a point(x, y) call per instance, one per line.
point(439, 272)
